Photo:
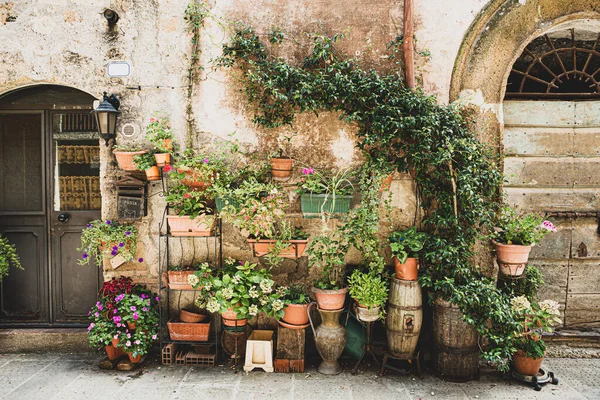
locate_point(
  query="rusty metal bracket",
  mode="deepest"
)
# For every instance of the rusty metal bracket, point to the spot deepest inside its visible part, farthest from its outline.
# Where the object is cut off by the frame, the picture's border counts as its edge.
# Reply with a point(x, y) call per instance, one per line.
point(575, 214)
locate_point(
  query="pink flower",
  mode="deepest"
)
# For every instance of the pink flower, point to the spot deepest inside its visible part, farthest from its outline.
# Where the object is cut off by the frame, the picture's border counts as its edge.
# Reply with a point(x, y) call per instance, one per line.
point(205, 160)
point(187, 196)
point(91, 326)
point(549, 226)
point(137, 341)
point(154, 337)
point(128, 344)
point(308, 171)
point(135, 316)
point(152, 119)
point(132, 308)
point(128, 335)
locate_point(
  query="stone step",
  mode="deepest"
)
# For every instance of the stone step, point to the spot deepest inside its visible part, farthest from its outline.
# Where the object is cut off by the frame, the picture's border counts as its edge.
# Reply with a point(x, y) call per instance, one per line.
point(44, 340)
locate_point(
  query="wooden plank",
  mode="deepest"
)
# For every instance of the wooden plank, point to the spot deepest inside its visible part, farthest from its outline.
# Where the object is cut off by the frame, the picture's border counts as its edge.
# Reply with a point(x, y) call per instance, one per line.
point(538, 141)
point(282, 365)
point(539, 171)
point(539, 113)
point(586, 141)
point(554, 199)
point(583, 310)
point(584, 276)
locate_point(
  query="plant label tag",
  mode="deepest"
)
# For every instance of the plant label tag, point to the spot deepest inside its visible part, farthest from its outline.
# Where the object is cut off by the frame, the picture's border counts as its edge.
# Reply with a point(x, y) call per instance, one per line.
point(117, 261)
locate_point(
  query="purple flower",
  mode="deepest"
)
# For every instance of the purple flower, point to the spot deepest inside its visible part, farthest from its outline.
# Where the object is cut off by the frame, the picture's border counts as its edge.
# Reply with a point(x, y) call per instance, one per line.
point(84, 255)
point(89, 225)
point(205, 160)
point(143, 296)
point(108, 222)
point(114, 252)
point(140, 260)
point(115, 248)
point(115, 311)
point(98, 303)
point(121, 244)
point(157, 298)
point(127, 233)
point(100, 307)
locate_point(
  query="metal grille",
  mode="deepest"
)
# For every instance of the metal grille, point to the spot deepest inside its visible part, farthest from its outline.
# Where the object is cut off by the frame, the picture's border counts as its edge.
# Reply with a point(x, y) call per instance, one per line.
point(78, 123)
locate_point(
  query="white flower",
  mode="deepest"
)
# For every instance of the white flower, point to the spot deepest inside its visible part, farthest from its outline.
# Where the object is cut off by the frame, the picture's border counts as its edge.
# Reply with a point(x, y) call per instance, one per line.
point(253, 293)
point(213, 305)
point(273, 191)
point(227, 293)
point(277, 305)
point(193, 280)
point(236, 279)
point(264, 301)
point(208, 286)
point(253, 309)
point(520, 304)
point(266, 285)
point(550, 306)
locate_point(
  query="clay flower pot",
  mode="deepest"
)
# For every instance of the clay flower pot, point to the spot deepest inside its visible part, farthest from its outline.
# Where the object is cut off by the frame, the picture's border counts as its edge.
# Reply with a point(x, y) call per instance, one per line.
point(230, 318)
point(295, 314)
point(186, 226)
point(162, 159)
point(365, 315)
point(125, 159)
point(330, 299)
point(262, 247)
point(191, 181)
point(131, 325)
point(409, 271)
point(281, 168)
point(112, 352)
point(527, 365)
point(191, 317)
point(152, 173)
point(135, 360)
point(512, 258)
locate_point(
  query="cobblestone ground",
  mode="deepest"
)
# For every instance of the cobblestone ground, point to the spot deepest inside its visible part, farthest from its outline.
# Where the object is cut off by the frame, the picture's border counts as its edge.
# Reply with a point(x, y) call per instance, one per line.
point(76, 376)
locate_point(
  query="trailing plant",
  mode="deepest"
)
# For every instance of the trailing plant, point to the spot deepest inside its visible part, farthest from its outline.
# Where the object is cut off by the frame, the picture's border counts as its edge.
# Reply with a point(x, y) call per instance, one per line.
point(102, 239)
point(369, 289)
point(260, 217)
point(521, 229)
point(458, 176)
point(534, 318)
point(8, 257)
point(408, 243)
point(527, 286)
point(144, 161)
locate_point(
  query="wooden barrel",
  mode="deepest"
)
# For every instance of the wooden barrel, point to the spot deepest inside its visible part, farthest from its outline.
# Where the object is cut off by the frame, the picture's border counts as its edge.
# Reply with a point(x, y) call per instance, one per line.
point(404, 317)
point(456, 344)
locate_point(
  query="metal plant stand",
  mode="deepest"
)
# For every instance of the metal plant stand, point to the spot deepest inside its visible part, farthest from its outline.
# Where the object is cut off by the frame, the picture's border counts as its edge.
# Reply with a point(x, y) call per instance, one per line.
point(414, 360)
point(543, 377)
point(236, 334)
point(367, 348)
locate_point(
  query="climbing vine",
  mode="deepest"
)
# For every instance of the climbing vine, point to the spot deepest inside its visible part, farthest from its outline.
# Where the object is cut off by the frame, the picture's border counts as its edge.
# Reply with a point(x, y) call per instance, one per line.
point(457, 175)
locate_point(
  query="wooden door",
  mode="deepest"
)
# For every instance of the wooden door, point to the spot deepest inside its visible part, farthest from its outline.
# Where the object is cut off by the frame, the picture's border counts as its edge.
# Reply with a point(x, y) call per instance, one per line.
point(552, 165)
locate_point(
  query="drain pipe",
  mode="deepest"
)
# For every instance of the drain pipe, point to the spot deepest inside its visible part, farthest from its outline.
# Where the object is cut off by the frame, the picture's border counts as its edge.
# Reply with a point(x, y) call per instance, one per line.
point(408, 46)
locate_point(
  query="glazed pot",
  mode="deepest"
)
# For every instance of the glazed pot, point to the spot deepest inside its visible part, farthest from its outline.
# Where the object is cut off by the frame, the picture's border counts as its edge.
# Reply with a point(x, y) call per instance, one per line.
point(281, 168)
point(527, 365)
point(295, 314)
point(152, 173)
point(230, 318)
point(330, 299)
point(162, 159)
point(135, 360)
point(330, 339)
point(125, 159)
point(409, 271)
point(512, 258)
point(365, 314)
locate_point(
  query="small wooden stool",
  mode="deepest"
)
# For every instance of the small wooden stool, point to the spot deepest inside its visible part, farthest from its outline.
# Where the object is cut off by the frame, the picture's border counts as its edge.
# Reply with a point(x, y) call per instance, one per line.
point(259, 351)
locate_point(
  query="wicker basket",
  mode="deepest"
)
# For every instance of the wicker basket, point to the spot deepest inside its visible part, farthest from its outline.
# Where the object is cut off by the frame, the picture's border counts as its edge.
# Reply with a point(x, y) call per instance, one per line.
point(188, 316)
point(185, 331)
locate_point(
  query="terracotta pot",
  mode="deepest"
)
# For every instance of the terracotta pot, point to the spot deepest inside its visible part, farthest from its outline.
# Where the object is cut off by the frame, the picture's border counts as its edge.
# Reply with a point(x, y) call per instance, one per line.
point(131, 325)
point(162, 159)
point(191, 317)
point(330, 299)
point(178, 280)
point(409, 271)
point(115, 343)
point(262, 247)
point(168, 144)
point(527, 365)
point(153, 173)
point(295, 314)
point(125, 159)
point(191, 180)
point(135, 360)
point(230, 318)
point(281, 168)
point(512, 258)
point(185, 226)
point(365, 315)
point(112, 352)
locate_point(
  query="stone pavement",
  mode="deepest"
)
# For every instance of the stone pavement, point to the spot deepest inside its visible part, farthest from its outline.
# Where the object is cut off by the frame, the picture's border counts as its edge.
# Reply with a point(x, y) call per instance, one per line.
point(76, 376)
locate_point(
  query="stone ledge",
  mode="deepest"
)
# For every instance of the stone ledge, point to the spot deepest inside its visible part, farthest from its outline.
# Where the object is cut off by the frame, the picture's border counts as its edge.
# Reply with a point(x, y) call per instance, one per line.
point(44, 340)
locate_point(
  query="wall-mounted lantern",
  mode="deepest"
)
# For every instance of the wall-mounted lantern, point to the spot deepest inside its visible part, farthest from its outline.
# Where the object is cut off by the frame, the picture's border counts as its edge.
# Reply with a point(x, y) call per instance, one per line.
point(106, 117)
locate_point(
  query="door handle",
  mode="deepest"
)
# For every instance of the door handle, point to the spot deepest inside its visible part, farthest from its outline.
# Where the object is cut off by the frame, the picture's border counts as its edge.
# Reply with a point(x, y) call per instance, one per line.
point(63, 218)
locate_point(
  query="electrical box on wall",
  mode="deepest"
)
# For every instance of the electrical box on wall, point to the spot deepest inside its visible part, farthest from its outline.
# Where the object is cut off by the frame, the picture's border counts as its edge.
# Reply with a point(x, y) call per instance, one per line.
point(132, 198)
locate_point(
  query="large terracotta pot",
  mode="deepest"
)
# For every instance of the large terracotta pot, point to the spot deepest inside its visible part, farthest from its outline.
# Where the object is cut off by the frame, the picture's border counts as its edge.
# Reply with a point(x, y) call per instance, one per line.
point(527, 365)
point(281, 168)
point(125, 159)
point(512, 258)
point(186, 226)
point(330, 339)
point(230, 318)
point(409, 271)
point(295, 314)
point(162, 159)
point(135, 360)
point(262, 247)
point(152, 173)
point(330, 299)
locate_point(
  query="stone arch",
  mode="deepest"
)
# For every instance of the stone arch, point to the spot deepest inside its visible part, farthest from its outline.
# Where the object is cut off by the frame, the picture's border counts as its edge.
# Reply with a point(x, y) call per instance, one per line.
point(498, 36)
point(47, 94)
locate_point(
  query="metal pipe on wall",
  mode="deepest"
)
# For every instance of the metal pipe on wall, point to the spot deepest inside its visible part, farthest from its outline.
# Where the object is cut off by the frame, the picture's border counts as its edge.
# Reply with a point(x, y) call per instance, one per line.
point(408, 44)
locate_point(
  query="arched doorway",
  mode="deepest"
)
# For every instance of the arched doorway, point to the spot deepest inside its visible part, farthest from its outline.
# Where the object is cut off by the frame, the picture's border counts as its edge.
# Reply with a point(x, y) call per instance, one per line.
point(49, 190)
point(552, 159)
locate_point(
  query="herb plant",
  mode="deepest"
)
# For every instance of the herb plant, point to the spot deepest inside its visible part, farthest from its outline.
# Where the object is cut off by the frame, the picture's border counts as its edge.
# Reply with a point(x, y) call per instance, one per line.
point(369, 289)
point(326, 182)
point(8, 257)
point(408, 243)
point(296, 294)
point(102, 239)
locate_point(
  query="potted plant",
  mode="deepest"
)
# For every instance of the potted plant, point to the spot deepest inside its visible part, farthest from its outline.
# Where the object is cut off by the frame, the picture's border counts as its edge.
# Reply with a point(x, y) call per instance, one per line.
point(147, 163)
point(535, 318)
point(281, 164)
point(198, 170)
point(8, 257)
point(159, 133)
point(405, 246)
point(370, 291)
point(325, 192)
point(296, 304)
point(125, 154)
point(193, 217)
point(326, 253)
point(106, 239)
point(179, 277)
point(514, 236)
point(239, 291)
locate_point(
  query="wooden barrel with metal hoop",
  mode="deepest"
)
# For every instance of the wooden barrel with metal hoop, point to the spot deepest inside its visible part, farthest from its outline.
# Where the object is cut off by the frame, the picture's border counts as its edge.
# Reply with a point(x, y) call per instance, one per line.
point(404, 317)
point(456, 343)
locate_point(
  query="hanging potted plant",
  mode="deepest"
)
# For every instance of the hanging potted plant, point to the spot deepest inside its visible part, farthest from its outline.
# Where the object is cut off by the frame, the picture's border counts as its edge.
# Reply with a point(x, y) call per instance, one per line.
point(125, 154)
point(232, 187)
point(193, 217)
point(281, 164)
point(535, 318)
point(147, 163)
point(102, 239)
point(295, 314)
point(159, 133)
point(198, 171)
point(370, 291)
point(239, 291)
point(8, 257)
point(514, 236)
point(325, 192)
point(326, 254)
point(405, 246)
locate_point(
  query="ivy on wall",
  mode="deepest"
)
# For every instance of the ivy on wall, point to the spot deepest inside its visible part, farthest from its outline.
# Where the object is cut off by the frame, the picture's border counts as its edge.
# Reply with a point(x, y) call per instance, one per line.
point(457, 175)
